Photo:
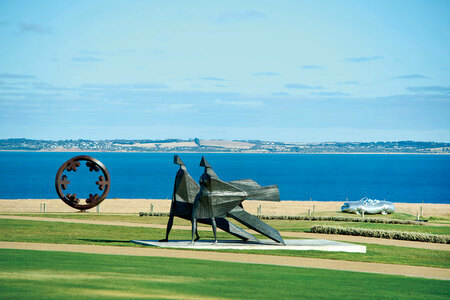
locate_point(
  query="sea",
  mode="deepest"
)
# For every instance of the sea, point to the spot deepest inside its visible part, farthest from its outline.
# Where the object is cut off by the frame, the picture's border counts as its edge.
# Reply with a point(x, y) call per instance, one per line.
point(319, 177)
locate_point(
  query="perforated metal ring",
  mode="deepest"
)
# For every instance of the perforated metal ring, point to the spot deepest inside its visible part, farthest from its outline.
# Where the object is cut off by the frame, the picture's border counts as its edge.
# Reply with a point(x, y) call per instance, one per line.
point(94, 165)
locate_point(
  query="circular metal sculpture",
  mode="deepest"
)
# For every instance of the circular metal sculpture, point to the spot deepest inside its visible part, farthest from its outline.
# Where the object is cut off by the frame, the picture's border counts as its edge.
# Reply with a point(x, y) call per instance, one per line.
point(94, 165)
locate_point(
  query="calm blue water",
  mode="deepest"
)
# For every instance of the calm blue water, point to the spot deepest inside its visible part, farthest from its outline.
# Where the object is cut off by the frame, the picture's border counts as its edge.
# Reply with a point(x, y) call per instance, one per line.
point(398, 178)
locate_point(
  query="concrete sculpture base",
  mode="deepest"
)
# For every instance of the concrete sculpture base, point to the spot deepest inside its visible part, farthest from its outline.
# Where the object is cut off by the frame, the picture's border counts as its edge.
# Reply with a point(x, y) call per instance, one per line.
point(304, 244)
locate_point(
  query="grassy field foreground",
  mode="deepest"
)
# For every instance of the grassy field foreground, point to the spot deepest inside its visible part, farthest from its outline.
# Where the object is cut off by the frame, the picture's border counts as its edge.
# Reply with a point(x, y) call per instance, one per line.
point(71, 233)
point(26, 274)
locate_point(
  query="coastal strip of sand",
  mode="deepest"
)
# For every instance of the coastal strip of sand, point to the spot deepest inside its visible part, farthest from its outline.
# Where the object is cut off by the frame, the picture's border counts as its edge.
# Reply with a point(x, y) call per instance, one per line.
point(289, 208)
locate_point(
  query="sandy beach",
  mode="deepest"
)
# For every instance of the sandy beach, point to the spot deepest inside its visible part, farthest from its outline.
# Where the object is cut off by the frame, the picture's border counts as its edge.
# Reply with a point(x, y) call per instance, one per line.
point(163, 205)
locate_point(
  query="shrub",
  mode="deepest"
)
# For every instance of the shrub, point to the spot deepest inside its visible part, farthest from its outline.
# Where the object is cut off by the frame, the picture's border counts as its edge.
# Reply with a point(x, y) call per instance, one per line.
point(340, 219)
point(153, 214)
point(309, 218)
point(386, 234)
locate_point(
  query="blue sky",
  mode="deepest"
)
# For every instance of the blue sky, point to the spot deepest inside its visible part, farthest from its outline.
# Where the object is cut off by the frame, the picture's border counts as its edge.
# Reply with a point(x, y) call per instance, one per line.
point(298, 71)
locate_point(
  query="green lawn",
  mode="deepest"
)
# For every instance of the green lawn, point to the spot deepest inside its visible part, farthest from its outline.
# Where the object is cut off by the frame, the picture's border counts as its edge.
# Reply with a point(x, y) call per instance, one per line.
point(71, 233)
point(26, 274)
point(281, 225)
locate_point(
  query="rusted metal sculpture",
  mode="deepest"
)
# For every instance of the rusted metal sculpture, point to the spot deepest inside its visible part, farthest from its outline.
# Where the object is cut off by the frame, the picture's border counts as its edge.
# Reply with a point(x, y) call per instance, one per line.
point(184, 192)
point(94, 165)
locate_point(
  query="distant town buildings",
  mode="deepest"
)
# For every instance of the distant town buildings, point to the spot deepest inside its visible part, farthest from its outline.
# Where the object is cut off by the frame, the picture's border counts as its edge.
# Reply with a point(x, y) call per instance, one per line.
point(197, 145)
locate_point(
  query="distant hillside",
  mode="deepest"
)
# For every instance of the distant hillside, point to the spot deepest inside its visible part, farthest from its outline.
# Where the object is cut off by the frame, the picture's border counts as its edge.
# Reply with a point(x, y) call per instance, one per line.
point(244, 146)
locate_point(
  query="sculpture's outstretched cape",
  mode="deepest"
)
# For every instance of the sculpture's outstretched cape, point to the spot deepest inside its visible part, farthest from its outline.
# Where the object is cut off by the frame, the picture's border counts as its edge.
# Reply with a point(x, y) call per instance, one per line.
point(257, 192)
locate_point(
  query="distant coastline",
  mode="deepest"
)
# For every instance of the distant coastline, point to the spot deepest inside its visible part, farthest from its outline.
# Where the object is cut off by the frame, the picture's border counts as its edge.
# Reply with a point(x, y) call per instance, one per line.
point(223, 152)
point(223, 146)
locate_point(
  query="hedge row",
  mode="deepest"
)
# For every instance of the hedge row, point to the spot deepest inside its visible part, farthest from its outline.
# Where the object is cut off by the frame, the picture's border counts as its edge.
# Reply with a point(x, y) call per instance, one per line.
point(385, 234)
point(309, 218)
point(153, 214)
point(340, 219)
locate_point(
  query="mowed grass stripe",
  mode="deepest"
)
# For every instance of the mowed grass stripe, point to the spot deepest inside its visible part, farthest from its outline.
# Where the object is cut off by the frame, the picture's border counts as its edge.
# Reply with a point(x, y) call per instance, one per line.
point(305, 262)
point(62, 275)
point(281, 225)
point(88, 234)
point(303, 234)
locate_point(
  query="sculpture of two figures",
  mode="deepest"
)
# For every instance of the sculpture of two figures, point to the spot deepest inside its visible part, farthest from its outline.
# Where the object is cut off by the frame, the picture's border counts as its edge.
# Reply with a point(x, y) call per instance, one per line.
point(214, 200)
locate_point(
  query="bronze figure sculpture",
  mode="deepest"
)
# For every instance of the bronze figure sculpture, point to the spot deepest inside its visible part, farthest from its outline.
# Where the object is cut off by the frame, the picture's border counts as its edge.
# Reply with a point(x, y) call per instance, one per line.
point(184, 192)
point(214, 200)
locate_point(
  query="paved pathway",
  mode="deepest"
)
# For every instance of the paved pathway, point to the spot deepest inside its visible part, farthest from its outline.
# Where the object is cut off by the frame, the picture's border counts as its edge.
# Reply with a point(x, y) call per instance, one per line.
point(346, 238)
point(414, 271)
